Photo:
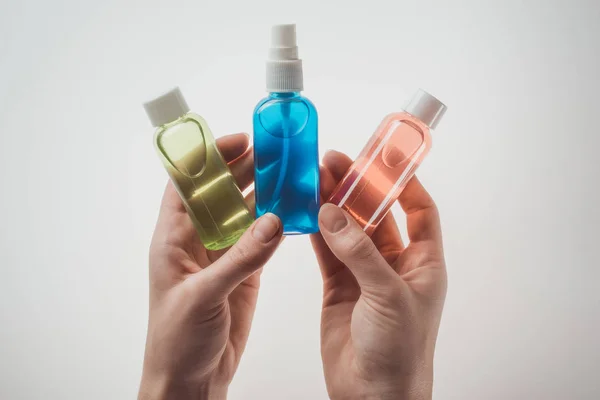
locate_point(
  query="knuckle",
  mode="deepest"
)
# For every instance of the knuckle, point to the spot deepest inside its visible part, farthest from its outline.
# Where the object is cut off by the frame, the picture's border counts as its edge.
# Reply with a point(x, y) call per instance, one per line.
point(240, 254)
point(434, 210)
point(361, 247)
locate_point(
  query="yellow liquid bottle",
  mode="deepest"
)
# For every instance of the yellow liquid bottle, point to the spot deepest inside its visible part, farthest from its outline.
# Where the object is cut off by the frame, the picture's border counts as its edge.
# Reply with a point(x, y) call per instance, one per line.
point(189, 152)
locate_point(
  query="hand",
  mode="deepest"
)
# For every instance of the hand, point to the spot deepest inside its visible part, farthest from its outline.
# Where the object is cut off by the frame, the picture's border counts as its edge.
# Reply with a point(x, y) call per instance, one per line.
point(202, 302)
point(382, 300)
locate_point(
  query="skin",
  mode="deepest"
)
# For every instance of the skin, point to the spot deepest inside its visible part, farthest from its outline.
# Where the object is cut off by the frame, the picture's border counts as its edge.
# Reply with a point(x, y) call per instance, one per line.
point(382, 299)
point(202, 302)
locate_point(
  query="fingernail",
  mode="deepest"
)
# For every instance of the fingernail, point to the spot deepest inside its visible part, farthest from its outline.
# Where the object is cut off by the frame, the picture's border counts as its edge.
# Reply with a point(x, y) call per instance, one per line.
point(332, 218)
point(265, 228)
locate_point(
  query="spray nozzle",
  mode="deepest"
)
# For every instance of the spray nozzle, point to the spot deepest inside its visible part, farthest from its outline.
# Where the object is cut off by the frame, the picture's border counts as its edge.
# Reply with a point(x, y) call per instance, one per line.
point(284, 68)
point(283, 42)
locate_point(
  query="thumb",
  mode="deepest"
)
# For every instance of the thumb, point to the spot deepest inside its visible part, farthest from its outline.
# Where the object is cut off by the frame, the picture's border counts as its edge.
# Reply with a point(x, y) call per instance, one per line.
point(248, 255)
point(351, 245)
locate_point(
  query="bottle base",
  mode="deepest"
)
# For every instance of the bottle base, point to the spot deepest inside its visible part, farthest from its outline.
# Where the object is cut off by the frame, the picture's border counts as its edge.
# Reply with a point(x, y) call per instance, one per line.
point(226, 241)
point(299, 230)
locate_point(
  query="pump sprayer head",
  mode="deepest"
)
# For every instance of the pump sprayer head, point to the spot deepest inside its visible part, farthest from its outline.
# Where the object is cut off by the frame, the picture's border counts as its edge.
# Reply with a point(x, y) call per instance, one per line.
point(283, 43)
point(284, 68)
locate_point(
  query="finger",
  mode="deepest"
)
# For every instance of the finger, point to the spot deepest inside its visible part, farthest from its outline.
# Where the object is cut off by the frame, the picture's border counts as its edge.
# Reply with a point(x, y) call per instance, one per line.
point(236, 151)
point(171, 202)
point(327, 183)
point(422, 217)
point(173, 227)
point(233, 146)
point(251, 203)
point(328, 263)
point(242, 169)
point(387, 235)
point(351, 245)
point(248, 255)
point(337, 164)
point(242, 300)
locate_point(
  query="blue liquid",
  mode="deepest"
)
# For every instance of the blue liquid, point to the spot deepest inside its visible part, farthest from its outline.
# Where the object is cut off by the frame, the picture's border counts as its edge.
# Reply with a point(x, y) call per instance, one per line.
point(286, 161)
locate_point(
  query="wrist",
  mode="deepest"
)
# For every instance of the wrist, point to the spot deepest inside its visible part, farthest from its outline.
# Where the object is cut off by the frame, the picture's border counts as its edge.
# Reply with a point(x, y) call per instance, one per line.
point(416, 384)
point(423, 391)
point(166, 388)
point(417, 387)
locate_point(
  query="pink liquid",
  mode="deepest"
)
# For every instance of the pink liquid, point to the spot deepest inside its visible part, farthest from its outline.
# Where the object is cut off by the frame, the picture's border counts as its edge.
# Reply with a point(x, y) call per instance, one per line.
point(382, 169)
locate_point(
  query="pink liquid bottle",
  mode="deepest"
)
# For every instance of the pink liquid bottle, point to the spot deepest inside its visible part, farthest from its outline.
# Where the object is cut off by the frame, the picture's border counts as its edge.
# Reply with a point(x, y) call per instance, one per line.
point(388, 161)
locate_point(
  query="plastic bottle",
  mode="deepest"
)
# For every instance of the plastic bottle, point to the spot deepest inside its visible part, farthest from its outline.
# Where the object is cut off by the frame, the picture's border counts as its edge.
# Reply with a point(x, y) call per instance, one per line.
point(286, 155)
point(390, 158)
point(188, 150)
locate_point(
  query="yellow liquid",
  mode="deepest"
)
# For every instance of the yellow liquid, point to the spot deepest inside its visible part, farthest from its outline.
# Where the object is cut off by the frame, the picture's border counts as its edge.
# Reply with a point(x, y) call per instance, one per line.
point(203, 180)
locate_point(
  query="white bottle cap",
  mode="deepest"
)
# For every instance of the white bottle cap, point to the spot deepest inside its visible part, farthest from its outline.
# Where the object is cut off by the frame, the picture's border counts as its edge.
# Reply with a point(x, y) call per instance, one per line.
point(284, 69)
point(426, 108)
point(167, 107)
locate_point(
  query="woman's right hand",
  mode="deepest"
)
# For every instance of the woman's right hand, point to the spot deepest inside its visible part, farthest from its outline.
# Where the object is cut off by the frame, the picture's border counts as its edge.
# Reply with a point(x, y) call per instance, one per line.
point(382, 300)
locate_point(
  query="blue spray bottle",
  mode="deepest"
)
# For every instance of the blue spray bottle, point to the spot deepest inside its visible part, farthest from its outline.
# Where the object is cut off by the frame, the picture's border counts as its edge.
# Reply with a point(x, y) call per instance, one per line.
point(286, 154)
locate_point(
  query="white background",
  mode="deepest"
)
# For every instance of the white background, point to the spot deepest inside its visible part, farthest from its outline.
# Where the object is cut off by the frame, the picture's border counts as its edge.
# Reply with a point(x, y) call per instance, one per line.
point(514, 170)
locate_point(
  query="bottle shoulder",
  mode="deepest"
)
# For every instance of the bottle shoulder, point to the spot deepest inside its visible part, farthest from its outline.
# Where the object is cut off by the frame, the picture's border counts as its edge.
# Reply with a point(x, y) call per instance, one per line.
point(189, 124)
point(270, 101)
point(308, 102)
point(197, 118)
point(285, 116)
point(186, 120)
point(403, 116)
point(261, 103)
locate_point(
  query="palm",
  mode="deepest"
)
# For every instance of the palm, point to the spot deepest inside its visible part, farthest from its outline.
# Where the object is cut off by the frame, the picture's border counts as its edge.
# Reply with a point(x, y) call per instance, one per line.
point(345, 310)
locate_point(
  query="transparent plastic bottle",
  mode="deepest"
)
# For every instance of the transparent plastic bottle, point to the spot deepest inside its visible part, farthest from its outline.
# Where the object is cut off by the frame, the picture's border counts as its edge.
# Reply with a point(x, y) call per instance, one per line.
point(388, 161)
point(190, 155)
point(286, 154)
